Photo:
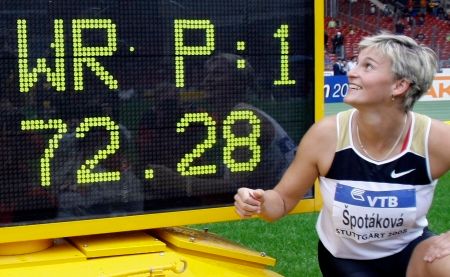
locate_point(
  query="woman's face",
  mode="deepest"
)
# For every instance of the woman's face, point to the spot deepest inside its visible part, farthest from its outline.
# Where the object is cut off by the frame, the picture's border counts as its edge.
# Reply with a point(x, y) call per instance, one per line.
point(372, 80)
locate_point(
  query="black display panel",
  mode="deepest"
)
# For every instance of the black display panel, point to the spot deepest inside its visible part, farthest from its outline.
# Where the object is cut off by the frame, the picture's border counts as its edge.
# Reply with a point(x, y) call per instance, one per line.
point(121, 107)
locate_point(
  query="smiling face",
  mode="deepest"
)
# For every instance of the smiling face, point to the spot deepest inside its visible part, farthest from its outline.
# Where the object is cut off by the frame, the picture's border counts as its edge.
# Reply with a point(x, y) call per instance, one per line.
point(411, 71)
point(372, 80)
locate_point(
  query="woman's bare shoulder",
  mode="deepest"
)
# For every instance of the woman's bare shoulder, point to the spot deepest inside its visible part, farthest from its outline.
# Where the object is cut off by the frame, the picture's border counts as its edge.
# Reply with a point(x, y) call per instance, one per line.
point(324, 128)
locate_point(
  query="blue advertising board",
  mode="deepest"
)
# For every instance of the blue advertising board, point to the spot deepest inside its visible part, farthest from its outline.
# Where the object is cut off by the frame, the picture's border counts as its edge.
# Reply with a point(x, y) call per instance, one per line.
point(335, 88)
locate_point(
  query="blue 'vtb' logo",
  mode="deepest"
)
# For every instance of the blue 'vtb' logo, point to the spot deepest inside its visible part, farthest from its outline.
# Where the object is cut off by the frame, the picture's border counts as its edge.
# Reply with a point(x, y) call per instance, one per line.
point(403, 198)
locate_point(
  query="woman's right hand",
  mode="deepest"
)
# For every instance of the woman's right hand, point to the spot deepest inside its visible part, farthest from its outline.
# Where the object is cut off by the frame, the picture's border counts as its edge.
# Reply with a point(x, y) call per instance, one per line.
point(248, 202)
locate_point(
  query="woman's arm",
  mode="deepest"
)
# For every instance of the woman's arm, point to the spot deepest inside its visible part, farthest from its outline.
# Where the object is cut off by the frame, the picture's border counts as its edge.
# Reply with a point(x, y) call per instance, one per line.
point(439, 153)
point(439, 148)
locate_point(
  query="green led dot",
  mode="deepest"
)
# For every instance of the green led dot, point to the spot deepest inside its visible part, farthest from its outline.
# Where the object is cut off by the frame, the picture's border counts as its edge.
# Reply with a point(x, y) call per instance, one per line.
point(240, 64)
point(240, 45)
point(149, 174)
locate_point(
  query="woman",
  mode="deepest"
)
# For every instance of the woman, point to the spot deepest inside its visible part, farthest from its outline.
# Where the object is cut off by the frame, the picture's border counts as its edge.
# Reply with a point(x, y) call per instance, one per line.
point(378, 165)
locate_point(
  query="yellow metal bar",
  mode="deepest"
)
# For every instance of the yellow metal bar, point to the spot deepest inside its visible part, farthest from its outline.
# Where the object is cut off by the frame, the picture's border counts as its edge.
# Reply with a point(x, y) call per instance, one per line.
point(319, 67)
point(116, 224)
point(122, 224)
point(319, 60)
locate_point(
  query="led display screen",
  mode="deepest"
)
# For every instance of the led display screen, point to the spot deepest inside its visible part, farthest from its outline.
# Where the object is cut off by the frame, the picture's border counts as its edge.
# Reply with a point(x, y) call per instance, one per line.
point(127, 107)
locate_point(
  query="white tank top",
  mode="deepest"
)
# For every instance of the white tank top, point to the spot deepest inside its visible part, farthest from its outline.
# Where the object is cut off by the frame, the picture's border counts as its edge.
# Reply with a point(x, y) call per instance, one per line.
point(373, 209)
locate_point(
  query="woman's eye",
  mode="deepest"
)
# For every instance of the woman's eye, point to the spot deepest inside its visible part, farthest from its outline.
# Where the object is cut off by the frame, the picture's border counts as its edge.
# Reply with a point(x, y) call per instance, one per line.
point(368, 66)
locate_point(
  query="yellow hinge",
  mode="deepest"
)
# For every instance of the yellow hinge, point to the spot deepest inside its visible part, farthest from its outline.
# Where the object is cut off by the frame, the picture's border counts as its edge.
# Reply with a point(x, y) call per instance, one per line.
point(159, 271)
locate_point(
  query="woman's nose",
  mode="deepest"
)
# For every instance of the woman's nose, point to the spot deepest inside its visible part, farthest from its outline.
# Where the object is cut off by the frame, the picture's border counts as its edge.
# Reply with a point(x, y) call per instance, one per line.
point(352, 72)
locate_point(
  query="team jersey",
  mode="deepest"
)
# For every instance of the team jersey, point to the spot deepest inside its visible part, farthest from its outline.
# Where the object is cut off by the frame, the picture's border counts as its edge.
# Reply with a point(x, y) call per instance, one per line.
point(373, 209)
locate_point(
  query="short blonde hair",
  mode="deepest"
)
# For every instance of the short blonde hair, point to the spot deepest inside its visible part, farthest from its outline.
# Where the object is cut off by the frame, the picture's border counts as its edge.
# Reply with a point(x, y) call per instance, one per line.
point(410, 61)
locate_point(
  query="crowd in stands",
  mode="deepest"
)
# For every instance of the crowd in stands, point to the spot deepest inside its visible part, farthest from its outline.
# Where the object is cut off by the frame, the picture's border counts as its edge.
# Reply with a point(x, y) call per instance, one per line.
point(342, 66)
point(425, 20)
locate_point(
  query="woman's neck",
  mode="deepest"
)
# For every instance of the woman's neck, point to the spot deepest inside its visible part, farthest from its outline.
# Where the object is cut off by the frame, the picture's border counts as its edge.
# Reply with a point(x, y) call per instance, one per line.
point(379, 136)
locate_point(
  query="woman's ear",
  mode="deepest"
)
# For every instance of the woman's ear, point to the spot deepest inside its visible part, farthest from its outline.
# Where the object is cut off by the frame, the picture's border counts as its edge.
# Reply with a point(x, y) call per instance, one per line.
point(401, 86)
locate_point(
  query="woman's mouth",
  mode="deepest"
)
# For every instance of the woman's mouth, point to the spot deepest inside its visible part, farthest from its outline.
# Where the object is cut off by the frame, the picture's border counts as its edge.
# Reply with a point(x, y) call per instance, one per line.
point(354, 87)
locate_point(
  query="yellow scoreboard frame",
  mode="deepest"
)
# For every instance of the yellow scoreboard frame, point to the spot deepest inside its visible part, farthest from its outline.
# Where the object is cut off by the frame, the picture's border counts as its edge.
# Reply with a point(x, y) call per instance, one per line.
point(176, 218)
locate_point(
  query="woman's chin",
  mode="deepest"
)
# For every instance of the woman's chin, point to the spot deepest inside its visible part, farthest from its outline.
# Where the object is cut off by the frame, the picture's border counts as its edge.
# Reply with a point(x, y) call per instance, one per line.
point(348, 99)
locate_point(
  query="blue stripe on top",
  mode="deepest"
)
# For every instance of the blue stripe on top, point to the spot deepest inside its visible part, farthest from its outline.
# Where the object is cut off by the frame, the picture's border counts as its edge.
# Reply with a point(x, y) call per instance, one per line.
point(405, 198)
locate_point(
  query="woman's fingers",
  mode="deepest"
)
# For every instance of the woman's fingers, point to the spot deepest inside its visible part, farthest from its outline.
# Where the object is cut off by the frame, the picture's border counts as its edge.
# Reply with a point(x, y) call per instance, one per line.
point(439, 248)
point(248, 202)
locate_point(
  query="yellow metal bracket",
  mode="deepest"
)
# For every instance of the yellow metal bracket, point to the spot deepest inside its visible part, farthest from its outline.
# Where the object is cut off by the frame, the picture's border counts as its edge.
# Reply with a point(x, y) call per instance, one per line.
point(60, 252)
point(116, 244)
point(24, 247)
point(205, 242)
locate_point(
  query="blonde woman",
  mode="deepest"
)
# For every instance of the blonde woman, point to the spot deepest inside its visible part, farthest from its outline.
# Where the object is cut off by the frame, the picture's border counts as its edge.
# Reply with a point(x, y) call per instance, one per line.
point(378, 165)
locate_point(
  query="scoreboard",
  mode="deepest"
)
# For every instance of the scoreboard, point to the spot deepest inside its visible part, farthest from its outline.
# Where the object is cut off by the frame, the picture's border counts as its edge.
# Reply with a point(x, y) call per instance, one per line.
point(130, 114)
